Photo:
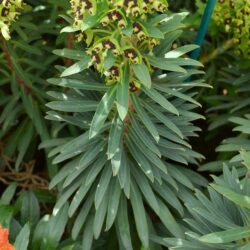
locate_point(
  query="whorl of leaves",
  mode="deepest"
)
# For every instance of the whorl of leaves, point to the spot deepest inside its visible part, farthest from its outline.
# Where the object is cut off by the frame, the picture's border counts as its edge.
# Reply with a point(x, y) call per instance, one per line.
point(219, 221)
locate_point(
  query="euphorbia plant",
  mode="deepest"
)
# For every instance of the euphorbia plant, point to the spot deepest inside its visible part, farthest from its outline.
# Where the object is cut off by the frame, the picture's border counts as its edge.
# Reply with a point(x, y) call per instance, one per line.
point(130, 99)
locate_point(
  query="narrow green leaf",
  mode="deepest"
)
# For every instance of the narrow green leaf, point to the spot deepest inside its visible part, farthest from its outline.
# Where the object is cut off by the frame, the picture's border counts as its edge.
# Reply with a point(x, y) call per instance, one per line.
point(70, 53)
point(70, 154)
point(180, 51)
point(53, 142)
point(69, 29)
point(169, 196)
point(169, 221)
point(79, 196)
point(142, 73)
point(64, 172)
point(78, 84)
point(87, 181)
point(122, 224)
point(153, 31)
point(30, 210)
point(115, 135)
point(180, 177)
point(227, 236)
point(116, 161)
point(73, 106)
point(82, 216)
point(141, 160)
point(171, 137)
point(183, 62)
point(39, 233)
point(99, 164)
point(239, 199)
point(22, 240)
point(184, 244)
point(152, 157)
point(24, 143)
point(93, 152)
point(164, 119)
point(122, 93)
point(109, 60)
point(102, 112)
point(11, 145)
point(245, 155)
point(102, 185)
point(77, 146)
point(139, 215)
point(76, 143)
point(124, 174)
point(160, 99)
point(113, 204)
point(164, 64)
point(145, 118)
point(100, 214)
point(173, 22)
point(42, 130)
point(77, 67)
point(8, 108)
point(71, 247)
point(65, 196)
point(177, 93)
point(245, 247)
point(88, 234)
point(55, 228)
point(146, 190)
point(167, 43)
point(31, 49)
point(144, 137)
point(8, 194)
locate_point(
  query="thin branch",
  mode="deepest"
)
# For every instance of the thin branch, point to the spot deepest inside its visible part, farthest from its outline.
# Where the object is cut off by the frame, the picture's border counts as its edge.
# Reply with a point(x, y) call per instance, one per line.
point(10, 65)
point(205, 59)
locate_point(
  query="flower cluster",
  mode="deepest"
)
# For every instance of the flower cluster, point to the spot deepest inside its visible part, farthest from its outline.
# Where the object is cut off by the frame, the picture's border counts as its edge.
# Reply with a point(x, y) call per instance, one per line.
point(234, 16)
point(118, 9)
point(4, 241)
point(120, 34)
point(9, 12)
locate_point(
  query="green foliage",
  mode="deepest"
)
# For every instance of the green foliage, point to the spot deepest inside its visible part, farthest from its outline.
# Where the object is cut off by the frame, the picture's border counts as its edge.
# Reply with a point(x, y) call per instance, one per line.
point(230, 108)
point(220, 221)
point(132, 129)
point(25, 63)
point(28, 230)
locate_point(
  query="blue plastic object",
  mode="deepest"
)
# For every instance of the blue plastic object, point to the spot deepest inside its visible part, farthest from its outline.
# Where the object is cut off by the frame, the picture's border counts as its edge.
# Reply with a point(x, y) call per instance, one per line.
point(203, 27)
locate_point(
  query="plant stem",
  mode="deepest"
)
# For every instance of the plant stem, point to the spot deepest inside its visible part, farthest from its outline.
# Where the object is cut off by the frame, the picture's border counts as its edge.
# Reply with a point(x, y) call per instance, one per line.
point(11, 67)
point(217, 52)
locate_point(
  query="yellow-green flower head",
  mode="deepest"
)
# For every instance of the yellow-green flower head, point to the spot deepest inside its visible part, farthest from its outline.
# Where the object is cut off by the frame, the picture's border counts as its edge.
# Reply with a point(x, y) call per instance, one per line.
point(9, 12)
point(118, 9)
point(234, 16)
point(116, 31)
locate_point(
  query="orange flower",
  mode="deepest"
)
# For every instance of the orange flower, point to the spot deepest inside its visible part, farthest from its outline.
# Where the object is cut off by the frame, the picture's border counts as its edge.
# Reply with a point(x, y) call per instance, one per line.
point(4, 240)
